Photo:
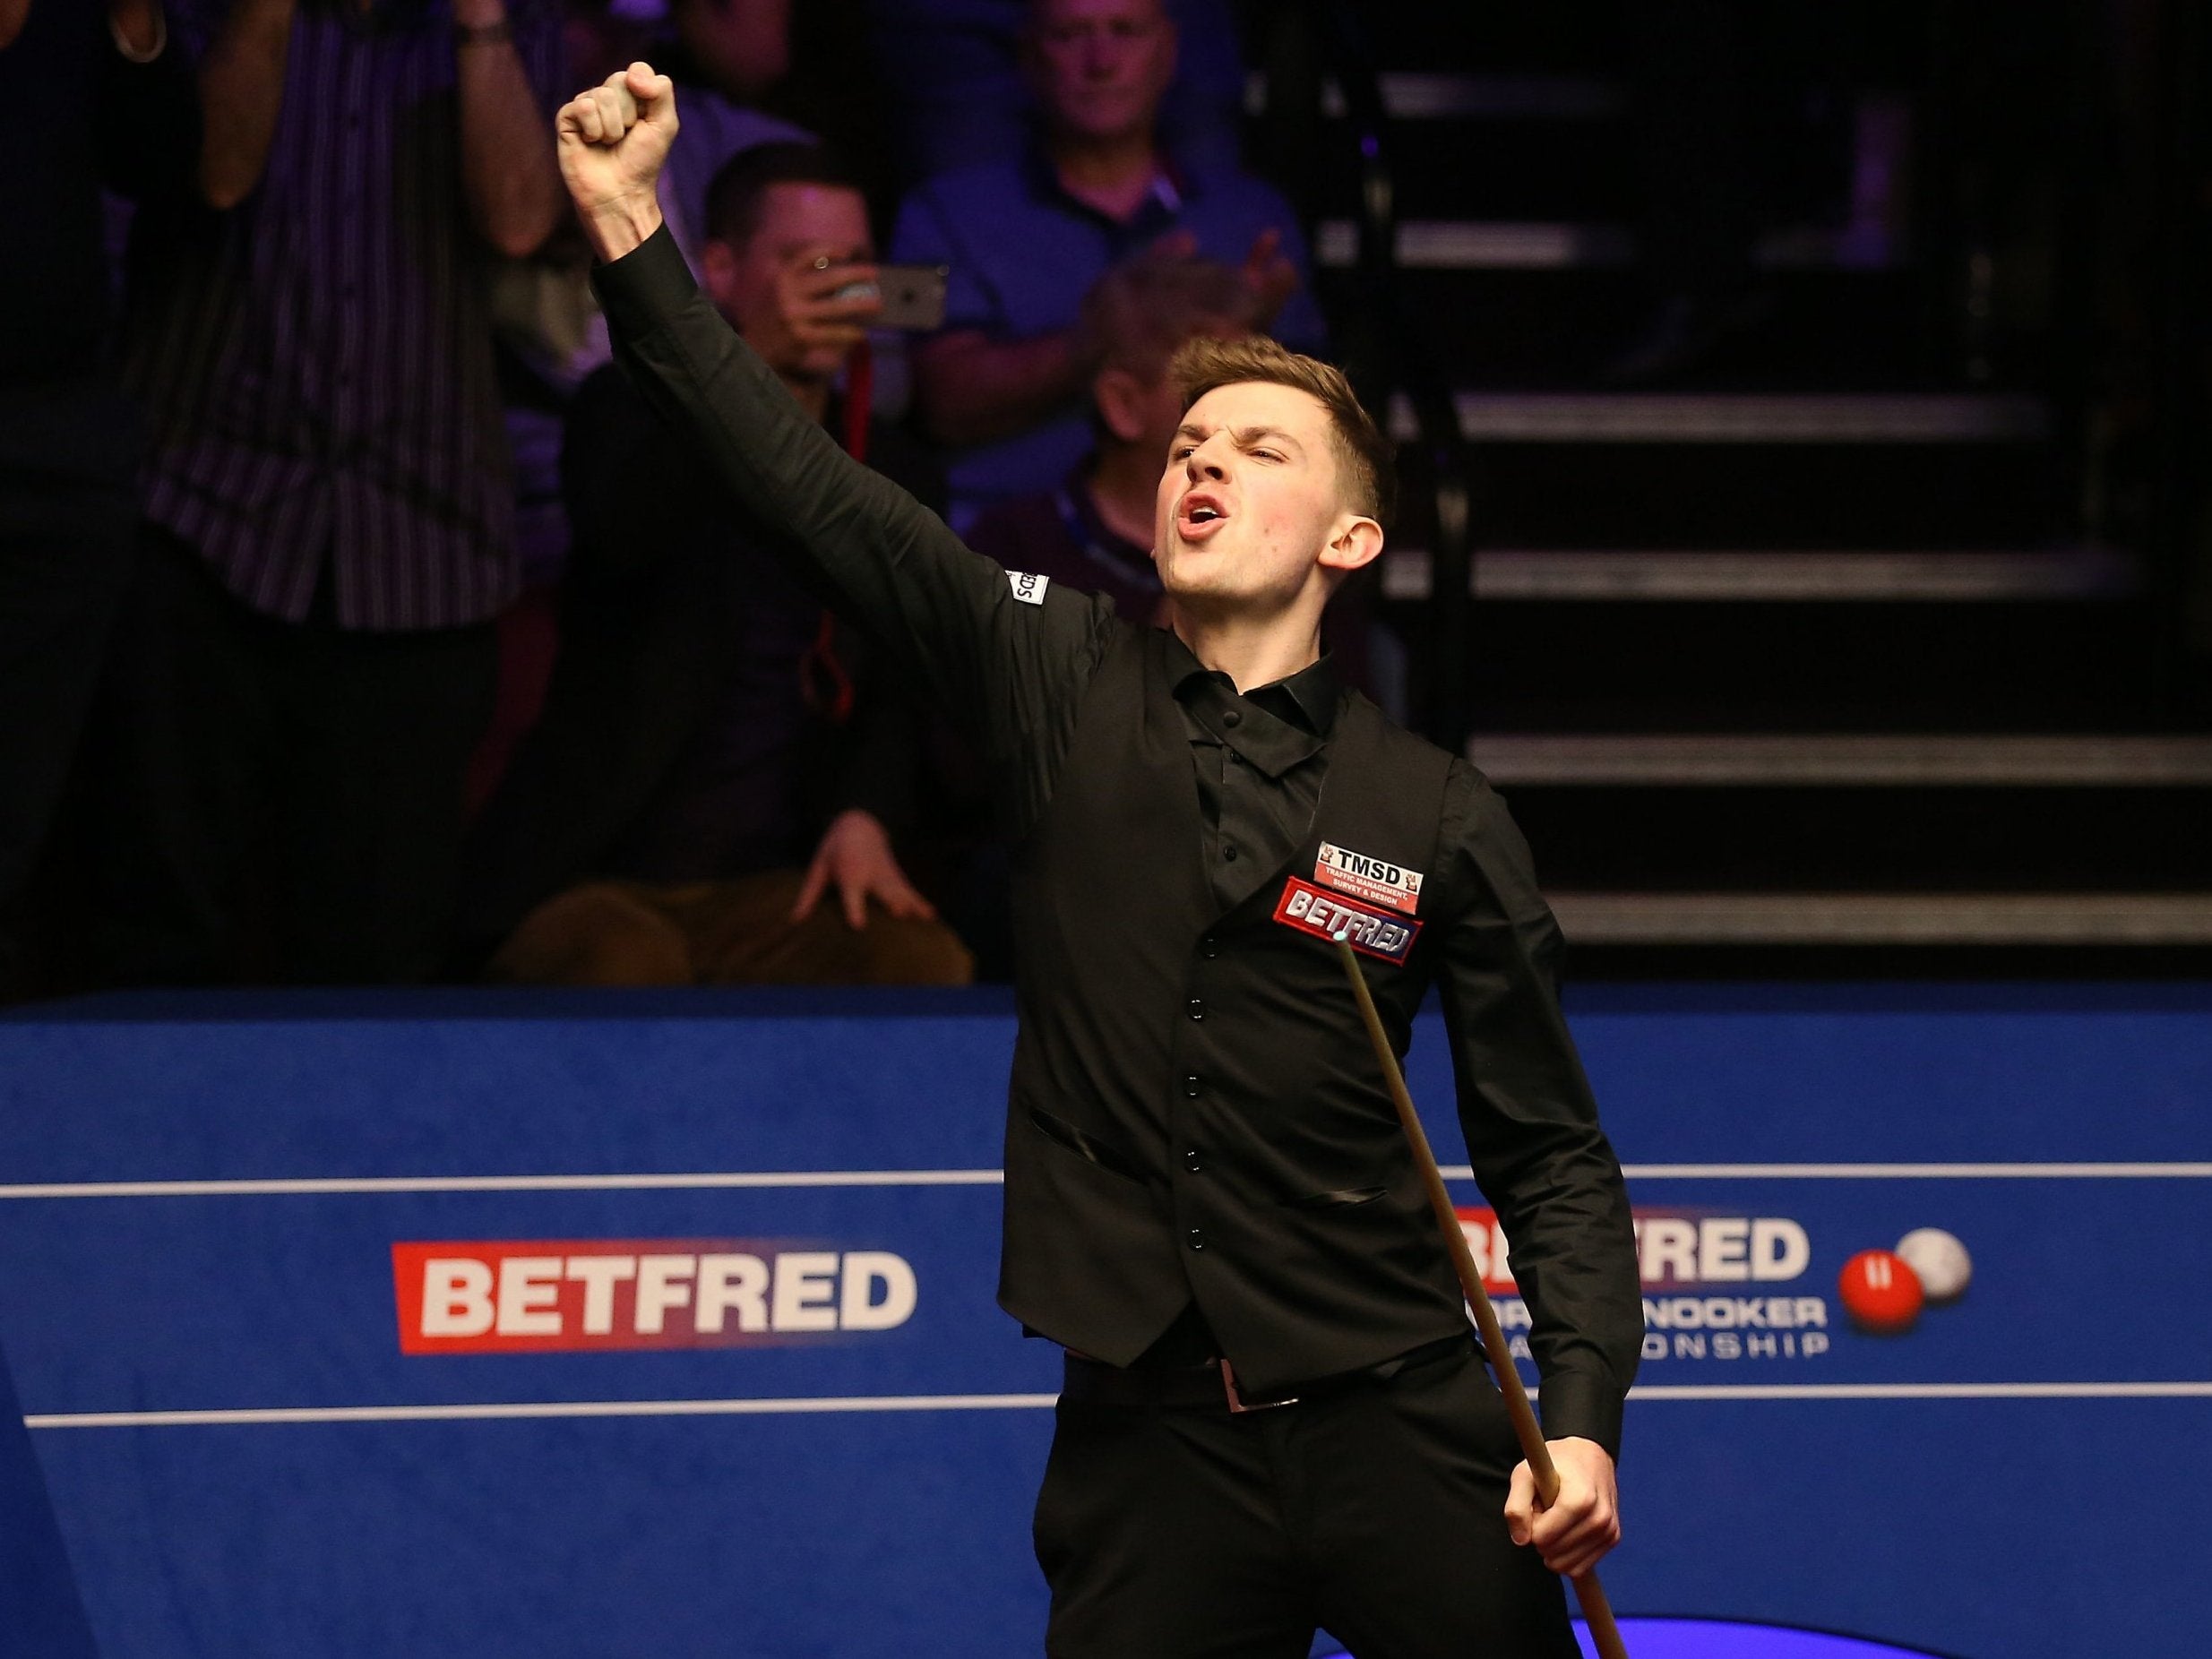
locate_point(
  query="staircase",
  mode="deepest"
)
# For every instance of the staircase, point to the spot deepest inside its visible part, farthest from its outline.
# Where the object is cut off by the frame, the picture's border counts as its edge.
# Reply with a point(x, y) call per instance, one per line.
point(1803, 661)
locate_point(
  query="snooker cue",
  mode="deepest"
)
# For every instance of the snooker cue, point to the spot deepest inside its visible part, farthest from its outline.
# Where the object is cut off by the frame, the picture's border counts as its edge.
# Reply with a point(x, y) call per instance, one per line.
point(1597, 1610)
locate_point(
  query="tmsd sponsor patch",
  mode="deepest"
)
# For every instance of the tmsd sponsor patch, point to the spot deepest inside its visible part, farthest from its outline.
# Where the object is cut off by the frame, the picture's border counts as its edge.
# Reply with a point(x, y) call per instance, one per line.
point(1028, 589)
point(541, 1295)
point(1376, 880)
point(1307, 908)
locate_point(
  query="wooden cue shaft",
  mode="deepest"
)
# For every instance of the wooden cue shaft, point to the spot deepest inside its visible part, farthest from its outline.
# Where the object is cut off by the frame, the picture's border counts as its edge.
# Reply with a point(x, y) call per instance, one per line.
point(1597, 1610)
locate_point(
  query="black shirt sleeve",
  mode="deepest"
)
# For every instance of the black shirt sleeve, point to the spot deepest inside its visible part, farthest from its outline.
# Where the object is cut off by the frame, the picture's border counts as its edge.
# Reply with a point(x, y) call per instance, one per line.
point(1531, 1123)
point(1008, 670)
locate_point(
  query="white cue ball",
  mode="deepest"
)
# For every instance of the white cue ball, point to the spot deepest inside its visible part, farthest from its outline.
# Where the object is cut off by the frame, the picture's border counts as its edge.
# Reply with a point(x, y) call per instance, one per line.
point(1940, 1260)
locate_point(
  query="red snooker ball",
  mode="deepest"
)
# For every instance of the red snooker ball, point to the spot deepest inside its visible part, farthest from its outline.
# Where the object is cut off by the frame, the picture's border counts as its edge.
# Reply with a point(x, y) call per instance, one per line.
point(1880, 1292)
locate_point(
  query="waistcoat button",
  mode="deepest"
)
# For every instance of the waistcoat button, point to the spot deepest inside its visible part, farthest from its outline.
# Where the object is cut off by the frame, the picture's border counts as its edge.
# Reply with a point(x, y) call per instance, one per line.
point(1198, 1239)
point(1229, 854)
point(1198, 1008)
point(1190, 1162)
point(1232, 718)
point(1190, 1086)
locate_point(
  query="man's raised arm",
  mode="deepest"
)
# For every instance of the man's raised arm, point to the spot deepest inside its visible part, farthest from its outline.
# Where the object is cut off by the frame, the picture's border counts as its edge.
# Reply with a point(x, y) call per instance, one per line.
point(990, 656)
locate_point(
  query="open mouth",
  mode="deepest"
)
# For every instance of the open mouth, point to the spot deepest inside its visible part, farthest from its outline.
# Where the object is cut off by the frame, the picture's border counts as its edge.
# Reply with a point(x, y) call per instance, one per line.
point(1200, 517)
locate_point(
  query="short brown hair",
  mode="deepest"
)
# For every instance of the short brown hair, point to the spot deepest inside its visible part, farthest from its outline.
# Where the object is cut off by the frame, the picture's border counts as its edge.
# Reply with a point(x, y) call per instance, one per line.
point(1364, 457)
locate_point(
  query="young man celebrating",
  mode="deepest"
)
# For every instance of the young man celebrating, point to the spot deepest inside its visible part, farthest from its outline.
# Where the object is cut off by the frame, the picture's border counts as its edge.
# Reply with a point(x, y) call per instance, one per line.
point(1272, 1417)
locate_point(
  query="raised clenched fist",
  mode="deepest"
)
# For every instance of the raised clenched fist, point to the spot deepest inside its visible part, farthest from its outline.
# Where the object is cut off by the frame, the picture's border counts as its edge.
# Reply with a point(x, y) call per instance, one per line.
point(612, 140)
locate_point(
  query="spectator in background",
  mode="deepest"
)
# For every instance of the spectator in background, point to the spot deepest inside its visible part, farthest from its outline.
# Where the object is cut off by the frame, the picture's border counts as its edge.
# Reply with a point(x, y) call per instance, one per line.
point(101, 100)
point(766, 71)
point(728, 55)
point(1025, 239)
point(758, 71)
point(306, 660)
point(1094, 531)
point(951, 72)
point(706, 719)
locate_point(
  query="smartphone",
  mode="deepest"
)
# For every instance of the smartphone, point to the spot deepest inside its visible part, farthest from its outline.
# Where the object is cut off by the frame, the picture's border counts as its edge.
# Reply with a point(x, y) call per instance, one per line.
point(913, 296)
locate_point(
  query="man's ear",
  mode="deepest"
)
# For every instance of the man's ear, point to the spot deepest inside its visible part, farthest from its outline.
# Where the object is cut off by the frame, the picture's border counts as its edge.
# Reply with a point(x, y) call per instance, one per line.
point(1355, 543)
point(1121, 400)
point(717, 271)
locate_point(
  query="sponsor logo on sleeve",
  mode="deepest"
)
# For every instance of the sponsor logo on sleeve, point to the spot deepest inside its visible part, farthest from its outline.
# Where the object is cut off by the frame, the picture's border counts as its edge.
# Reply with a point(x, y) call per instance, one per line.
point(1377, 881)
point(548, 1295)
point(1028, 589)
point(1372, 933)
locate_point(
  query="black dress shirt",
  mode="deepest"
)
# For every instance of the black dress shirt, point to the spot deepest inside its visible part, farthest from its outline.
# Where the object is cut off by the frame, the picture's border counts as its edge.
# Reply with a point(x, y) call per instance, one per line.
point(1260, 759)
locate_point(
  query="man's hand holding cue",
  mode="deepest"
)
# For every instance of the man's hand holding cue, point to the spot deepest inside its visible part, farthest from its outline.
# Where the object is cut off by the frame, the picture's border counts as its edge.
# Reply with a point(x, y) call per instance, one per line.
point(613, 140)
point(1585, 1522)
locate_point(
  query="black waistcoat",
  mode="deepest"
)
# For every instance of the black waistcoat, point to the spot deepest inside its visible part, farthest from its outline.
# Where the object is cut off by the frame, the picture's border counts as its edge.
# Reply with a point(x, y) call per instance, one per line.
point(1195, 1110)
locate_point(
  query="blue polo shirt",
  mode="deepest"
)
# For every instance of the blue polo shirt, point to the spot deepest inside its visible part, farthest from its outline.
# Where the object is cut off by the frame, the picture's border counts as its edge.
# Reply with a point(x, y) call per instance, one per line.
point(1022, 253)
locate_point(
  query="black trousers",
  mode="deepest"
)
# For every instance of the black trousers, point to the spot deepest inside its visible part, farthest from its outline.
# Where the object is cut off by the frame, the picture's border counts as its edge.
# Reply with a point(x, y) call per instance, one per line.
point(282, 801)
point(1375, 1511)
point(64, 555)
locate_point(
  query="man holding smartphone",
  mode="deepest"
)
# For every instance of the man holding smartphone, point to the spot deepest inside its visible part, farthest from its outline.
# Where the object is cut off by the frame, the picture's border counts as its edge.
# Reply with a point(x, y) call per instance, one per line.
point(710, 793)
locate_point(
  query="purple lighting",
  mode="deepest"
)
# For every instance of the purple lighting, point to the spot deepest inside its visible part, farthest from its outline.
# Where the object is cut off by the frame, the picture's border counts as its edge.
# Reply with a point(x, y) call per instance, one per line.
point(1713, 1639)
point(1710, 1639)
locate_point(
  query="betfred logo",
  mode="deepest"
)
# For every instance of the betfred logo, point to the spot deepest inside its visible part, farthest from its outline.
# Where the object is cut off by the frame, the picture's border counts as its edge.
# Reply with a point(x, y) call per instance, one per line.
point(556, 1295)
point(1307, 908)
point(1673, 1247)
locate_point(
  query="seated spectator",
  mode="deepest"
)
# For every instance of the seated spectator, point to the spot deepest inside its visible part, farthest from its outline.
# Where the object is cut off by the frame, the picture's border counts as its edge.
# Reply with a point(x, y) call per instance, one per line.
point(705, 719)
point(951, 73)
point(1094, 531)
point(728, 55)
point(1025, 239)
point(761, 71)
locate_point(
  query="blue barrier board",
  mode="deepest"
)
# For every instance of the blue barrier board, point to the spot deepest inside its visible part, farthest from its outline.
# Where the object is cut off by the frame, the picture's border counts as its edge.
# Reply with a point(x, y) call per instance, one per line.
point(489, 1324)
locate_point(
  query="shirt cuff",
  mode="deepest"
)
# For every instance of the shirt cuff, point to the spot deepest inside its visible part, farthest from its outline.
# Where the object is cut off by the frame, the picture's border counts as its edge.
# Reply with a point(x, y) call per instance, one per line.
point(1575, 1404)
point(645, 287)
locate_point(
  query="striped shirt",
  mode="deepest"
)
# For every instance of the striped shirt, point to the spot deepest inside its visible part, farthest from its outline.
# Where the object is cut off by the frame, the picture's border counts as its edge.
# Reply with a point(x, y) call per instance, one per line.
point(316, 365)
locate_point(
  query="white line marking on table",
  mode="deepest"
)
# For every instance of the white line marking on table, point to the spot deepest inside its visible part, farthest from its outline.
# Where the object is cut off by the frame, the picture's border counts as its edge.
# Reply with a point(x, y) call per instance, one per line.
point(1926, 1391)
point(1917, 1172)
point(258, 1415)
point(266, 1416)
point(317, 1186)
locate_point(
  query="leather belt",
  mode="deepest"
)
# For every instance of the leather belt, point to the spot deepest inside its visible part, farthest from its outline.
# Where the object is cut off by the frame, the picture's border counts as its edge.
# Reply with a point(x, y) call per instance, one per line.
point(1214, 1384)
